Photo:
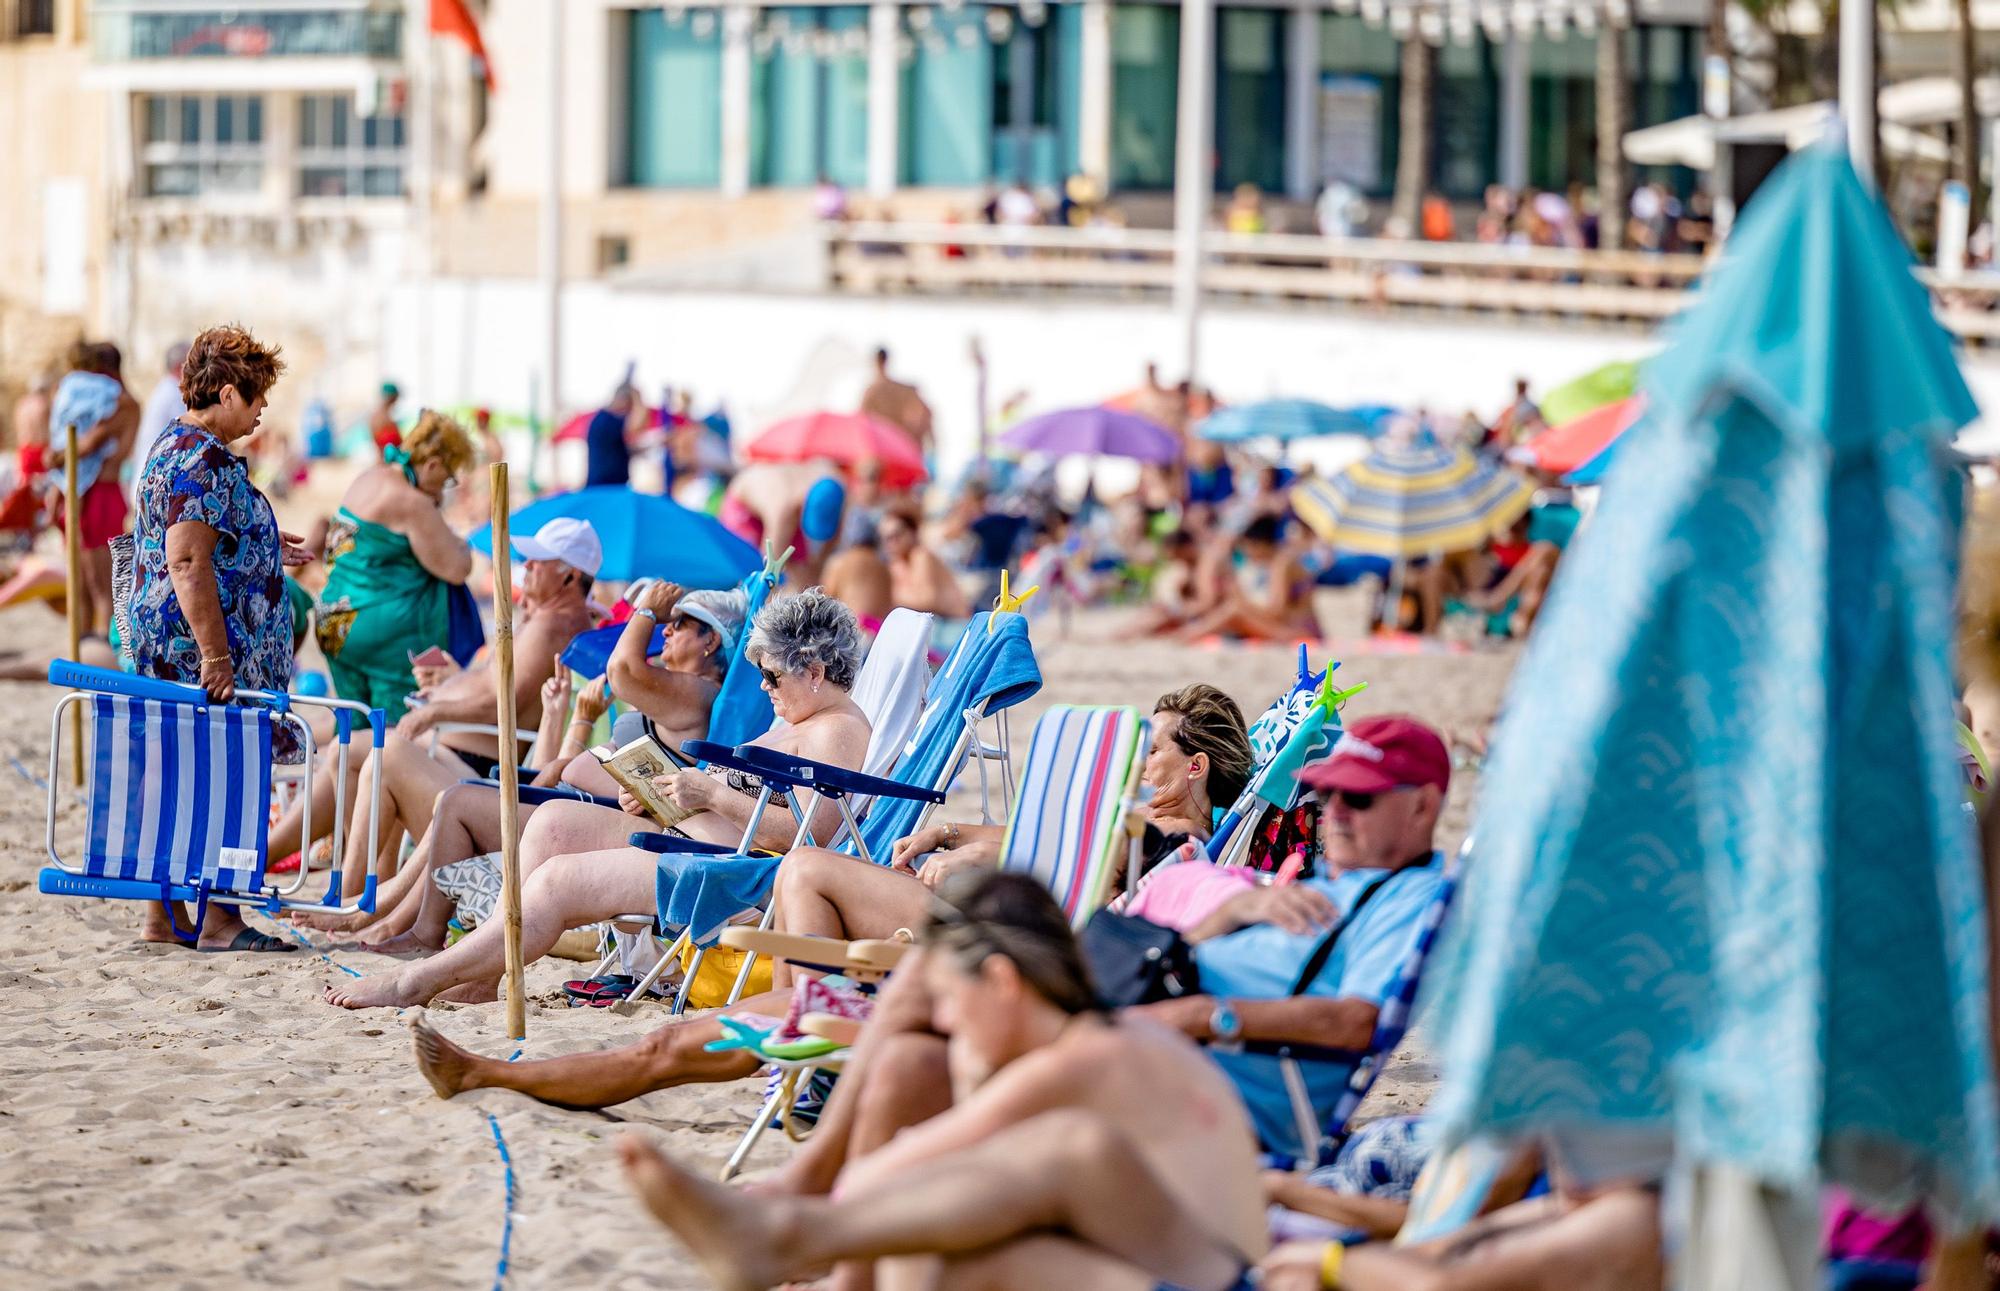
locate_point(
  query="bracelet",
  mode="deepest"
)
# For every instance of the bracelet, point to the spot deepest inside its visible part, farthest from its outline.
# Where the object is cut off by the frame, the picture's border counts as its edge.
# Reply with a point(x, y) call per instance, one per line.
point(648, 613)
point(581, 721)
point(1329, 1265)
point(218, 658)
point(951, 834)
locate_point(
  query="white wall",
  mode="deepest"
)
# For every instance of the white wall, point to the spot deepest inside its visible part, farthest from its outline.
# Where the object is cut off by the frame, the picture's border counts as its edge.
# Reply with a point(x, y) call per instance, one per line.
point(766, 355)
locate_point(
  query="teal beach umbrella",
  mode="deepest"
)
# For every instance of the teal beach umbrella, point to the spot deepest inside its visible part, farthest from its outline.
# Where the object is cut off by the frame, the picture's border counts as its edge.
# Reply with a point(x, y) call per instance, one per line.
point(1726, 895)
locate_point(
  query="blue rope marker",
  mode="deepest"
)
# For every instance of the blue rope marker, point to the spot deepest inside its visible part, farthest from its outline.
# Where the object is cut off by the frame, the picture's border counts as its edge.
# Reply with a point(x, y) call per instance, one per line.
point(292, 931)
point(26, 774)
point(507, 1229)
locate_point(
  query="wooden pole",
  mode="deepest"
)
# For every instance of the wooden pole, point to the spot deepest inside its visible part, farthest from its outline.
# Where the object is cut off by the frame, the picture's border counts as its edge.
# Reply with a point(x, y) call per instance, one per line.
point(510, 787)
point(73, 590)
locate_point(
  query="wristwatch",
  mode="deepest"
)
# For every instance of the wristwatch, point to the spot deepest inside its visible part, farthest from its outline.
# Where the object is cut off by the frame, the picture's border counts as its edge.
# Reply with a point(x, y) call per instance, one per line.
point(1223, 1023)
point(647, 612)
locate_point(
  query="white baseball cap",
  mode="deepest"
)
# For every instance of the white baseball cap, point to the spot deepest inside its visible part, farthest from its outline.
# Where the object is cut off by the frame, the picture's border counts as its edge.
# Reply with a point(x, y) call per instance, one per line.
point(571, 541)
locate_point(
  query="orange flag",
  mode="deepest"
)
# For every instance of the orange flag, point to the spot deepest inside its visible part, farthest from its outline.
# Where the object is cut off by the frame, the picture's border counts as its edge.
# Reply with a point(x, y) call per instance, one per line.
point(452, 18)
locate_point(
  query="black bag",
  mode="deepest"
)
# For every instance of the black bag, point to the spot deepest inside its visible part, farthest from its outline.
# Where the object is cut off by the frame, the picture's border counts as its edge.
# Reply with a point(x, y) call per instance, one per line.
point(1136, 961)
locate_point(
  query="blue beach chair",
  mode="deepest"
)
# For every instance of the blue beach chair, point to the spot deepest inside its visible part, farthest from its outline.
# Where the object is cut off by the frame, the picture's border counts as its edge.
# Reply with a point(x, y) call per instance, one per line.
point(701, 888)
point(177, 794)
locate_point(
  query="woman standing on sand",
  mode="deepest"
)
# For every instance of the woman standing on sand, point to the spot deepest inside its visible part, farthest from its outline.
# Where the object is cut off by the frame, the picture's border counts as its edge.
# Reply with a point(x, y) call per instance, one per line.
point(209, 606)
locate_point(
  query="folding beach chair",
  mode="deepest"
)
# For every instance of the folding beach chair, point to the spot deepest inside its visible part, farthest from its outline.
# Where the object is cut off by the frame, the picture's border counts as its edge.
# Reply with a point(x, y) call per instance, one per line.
point(991, 669)
point(1322, 1138)
point(178, 792)
point(1066, 830)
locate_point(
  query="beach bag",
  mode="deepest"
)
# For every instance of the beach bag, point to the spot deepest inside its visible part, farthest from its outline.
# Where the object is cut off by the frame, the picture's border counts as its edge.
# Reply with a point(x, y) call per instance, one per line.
point(719, 968)
point(124, 580)
point(1136, 961)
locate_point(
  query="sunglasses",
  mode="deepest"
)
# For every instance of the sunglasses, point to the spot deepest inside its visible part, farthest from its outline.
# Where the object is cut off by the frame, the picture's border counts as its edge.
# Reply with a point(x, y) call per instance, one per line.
point(771, 676)
point(1362, 801)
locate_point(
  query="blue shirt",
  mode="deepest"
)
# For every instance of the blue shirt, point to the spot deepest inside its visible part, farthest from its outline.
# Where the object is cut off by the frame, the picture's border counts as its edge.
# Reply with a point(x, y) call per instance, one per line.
point(604, 440)
point(1263, 961)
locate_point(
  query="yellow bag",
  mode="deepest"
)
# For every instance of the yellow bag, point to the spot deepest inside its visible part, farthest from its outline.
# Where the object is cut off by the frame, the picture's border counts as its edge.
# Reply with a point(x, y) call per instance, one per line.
point(718, 974)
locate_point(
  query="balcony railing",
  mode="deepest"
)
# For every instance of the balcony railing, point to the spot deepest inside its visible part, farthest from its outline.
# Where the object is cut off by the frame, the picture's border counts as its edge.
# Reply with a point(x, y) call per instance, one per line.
point(1369, 273)
point(124, 30)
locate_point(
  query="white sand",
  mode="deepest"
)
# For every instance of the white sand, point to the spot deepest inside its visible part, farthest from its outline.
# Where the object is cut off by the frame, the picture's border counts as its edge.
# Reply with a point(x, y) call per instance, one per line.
point(170, 1119)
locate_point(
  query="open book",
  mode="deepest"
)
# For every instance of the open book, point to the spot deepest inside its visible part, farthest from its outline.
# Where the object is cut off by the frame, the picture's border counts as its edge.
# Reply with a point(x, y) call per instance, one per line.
point(634, 768)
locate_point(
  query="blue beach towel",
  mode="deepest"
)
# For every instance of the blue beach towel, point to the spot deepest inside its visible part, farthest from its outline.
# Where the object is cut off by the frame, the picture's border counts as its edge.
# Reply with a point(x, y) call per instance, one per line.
point(701, 893)
point(82, 400)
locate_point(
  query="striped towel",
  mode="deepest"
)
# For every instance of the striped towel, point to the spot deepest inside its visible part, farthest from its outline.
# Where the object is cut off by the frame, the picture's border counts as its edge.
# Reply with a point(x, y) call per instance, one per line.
point(1082, 765)
point(177, 793)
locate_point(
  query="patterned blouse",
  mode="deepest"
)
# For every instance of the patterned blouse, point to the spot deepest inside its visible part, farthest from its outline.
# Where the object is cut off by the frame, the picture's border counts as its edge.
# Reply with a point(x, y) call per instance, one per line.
point(191, 476)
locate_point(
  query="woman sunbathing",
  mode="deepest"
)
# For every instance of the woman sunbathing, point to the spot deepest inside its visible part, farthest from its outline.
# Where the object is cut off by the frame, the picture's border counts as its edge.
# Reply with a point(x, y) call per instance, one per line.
point(675, 695)
point(1045, 1088)
point(808, 648)
point(1199, 761)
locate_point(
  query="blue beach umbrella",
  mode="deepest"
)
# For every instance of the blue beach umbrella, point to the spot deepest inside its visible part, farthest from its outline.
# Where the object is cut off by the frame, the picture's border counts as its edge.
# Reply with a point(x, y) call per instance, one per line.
point(1726, 896)
point(644, 536)
point(1289, 419)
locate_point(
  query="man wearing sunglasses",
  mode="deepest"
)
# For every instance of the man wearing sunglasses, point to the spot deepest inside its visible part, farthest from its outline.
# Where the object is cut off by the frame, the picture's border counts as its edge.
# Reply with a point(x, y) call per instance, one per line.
point(1382, 790)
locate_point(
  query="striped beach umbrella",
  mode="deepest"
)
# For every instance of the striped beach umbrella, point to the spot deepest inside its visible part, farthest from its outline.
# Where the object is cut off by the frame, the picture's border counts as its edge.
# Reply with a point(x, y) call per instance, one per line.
point(1413, 499)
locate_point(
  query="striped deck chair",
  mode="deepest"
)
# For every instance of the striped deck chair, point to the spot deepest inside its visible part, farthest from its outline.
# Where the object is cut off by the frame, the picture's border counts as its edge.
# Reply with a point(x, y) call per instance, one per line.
point(1392, 1023)
point(1080, 779)
point(177, 794)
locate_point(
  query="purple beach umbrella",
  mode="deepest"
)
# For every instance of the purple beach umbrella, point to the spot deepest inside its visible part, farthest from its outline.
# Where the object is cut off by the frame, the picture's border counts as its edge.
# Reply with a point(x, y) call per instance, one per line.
point(1094, 432)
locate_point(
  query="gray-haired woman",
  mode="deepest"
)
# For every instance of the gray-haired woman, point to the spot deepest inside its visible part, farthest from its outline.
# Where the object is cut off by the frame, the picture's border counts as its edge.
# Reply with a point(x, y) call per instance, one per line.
point(576, 866)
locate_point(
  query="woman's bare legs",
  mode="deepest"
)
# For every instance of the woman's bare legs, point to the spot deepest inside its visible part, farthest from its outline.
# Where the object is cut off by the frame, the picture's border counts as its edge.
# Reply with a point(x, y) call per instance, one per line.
point(411, 781)
point(564, 893)
point(830, 894)
point(285, 837)
point(465, 822)
point(671, 1055)
point(1064, 1171)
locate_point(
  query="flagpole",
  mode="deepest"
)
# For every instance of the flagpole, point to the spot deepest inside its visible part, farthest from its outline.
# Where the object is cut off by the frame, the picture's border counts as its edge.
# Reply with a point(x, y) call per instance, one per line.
point(552, 213)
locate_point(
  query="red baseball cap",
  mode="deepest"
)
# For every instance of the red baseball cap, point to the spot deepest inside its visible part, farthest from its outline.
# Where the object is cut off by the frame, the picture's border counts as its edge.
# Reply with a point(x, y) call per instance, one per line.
point(1378, 754)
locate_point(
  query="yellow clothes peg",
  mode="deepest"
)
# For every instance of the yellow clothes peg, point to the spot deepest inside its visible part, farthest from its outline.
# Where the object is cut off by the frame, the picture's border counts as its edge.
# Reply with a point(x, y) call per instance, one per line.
point(1008, 604)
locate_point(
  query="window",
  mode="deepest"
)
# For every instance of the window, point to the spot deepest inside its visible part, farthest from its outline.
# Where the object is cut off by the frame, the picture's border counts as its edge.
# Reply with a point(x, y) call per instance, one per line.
point(197, 144)
point(675, 99)
point(343, 154)
point(809, 96)
point(34, 17)
point(1250, 98)
point(1145, 63)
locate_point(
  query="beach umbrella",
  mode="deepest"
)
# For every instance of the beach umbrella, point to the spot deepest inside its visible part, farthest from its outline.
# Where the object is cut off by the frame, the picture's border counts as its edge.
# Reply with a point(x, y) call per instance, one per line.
point(1562, 449)
point(644, 536)
point(1589, 392)
point(1413, 499)
point(1289, 419)
point(1093, 432)
point(849, 438)
point(1725, 899)
point(578, 427)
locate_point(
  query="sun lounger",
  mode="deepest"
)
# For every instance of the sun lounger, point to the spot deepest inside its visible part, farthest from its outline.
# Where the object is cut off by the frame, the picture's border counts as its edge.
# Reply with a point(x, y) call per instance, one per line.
point(177, 794)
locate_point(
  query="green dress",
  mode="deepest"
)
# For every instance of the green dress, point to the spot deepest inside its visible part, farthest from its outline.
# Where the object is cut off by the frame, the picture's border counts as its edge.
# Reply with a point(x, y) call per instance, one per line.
point(380, 606)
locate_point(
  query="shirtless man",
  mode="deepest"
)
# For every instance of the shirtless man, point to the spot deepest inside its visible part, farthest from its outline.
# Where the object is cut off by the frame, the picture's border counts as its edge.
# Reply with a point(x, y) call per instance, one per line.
point(1038, 1075)
point(102, 504)
point(788, 504)
point(898, 403)
point(918, 580)
point(562, 559)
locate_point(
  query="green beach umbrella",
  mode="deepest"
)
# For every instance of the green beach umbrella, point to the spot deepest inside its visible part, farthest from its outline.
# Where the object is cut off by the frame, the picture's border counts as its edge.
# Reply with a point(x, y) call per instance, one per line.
point(1726, 900)
point(1589, 392)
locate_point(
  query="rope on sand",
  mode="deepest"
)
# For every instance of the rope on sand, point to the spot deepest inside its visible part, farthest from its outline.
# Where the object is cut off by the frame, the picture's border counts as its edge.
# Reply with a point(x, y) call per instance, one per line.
point(507, 1170)
point(26, 774)
point(292, 931)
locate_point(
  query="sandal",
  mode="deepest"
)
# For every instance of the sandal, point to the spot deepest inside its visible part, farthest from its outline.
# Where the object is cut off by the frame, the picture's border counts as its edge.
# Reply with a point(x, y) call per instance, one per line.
point(608, 989)
point(250, 941)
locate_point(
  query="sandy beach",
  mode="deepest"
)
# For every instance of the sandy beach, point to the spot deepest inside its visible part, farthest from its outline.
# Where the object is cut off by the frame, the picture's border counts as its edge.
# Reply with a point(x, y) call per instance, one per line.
point(181, 1120)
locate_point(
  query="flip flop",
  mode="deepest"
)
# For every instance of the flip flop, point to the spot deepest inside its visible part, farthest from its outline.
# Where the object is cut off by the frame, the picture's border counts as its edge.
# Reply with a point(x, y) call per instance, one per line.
point(610, 988)
point(250, 941)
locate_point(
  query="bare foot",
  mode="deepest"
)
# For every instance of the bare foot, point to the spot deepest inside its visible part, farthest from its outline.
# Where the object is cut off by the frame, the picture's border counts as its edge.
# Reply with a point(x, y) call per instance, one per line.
point(375, 991)
point(333, 922)
point(407, 944)
point(446, 1066)
point(471, 993)
point(730, 1234)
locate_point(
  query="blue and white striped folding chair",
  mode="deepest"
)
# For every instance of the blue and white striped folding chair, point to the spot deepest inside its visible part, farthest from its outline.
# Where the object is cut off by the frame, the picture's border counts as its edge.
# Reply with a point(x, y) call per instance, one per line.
point(1392, 1022)
point(1079, 782)
point(177, 793)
